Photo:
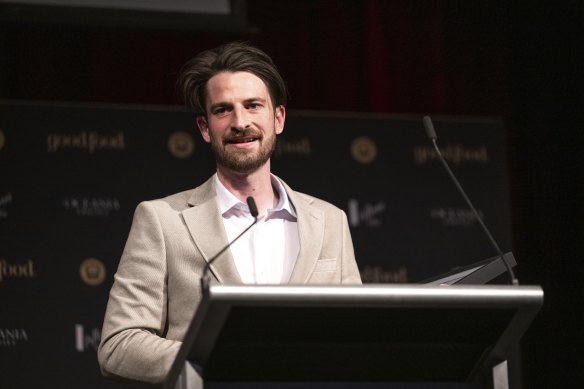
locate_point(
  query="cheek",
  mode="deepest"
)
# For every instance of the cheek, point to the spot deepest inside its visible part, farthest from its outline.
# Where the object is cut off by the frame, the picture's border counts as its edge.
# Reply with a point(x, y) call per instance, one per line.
point(213, 136)
point(214, 130)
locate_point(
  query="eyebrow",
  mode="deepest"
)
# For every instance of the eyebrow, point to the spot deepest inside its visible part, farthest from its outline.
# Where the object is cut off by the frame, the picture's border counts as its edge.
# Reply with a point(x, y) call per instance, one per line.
point(246, 101)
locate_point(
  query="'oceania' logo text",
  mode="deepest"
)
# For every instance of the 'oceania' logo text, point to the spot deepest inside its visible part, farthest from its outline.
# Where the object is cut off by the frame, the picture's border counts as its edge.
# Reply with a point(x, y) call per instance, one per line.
point(12, 336)
point(367, 215)
point(89, 141)
point(455, 217)
point(92, 206)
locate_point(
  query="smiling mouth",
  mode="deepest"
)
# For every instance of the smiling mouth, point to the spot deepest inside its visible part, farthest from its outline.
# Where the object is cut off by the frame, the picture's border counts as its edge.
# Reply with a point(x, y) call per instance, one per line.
point(247, 139)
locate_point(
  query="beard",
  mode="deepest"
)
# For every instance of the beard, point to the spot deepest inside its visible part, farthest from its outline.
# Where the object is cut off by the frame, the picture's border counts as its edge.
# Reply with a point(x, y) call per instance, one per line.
point(244, 161)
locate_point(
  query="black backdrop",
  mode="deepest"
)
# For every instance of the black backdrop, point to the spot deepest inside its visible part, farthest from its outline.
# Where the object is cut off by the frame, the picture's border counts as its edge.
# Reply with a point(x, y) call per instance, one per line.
point(73, 175)
point(521, 61)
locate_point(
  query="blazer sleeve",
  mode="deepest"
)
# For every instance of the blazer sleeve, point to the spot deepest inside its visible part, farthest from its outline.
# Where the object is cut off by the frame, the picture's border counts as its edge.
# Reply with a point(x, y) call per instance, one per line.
point(350, 271)
point(133, 344)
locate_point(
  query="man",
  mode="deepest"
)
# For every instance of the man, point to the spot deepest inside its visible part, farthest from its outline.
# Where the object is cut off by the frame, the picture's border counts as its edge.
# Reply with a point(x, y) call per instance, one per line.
point(239, 100)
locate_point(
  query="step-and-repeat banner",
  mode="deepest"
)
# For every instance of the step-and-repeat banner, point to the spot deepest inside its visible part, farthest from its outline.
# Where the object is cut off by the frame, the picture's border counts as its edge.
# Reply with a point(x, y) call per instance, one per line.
point(71, 177)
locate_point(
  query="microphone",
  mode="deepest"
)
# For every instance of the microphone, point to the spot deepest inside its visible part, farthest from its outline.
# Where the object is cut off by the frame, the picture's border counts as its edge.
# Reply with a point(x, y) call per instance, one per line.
point(432, 135)
point(253, 209)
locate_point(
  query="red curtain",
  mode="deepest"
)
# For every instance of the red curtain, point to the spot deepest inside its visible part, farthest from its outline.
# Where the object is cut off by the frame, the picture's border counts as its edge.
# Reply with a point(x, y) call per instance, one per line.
point(335, 55)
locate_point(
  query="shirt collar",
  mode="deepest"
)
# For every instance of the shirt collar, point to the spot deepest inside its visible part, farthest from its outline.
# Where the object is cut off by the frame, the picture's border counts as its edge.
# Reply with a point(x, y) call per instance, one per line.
point(228, 203)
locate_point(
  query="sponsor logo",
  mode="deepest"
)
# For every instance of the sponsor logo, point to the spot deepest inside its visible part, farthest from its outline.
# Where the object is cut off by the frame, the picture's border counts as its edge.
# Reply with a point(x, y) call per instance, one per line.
point(453, 153)
point(16, 270)
point(293, 147)
point(377, 274)
point(91, 206)
point(363, 150)
point(92, 271)
point(2, 139)
point(12, 336)
point(5, 200)
point(90, 141)
point(365, 215)
point(455, 217)
point(86, 340)
point(181, 144)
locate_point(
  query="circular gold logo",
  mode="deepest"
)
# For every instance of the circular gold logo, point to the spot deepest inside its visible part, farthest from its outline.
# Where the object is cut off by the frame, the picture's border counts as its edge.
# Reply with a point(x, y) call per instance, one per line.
point(363, 150)
point(2, 139)
point(92, 271)
point(181, 144)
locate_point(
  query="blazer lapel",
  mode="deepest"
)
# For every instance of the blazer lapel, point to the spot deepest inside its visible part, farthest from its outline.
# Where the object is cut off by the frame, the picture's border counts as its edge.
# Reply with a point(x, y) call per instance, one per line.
point(205, 225)
point(311, 234)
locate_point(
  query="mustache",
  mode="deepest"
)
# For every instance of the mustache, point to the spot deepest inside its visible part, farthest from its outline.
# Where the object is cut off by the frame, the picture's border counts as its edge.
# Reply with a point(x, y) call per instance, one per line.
point(249, 133)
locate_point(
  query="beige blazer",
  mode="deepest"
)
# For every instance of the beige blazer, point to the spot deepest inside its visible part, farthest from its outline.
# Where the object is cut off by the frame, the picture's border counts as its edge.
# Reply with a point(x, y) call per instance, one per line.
point(157, 287)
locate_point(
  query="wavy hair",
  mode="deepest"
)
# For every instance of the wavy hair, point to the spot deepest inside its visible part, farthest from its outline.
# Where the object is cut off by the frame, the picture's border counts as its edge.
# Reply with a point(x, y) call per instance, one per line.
point(231, 57)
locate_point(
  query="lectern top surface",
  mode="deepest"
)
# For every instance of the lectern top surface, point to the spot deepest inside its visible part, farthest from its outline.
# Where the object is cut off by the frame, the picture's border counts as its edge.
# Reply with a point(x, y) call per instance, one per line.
point(379, 294)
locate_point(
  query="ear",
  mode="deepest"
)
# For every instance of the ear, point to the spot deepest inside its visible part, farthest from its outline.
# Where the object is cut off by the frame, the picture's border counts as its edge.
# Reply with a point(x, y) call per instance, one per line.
point(203, 128)
point(280, 118)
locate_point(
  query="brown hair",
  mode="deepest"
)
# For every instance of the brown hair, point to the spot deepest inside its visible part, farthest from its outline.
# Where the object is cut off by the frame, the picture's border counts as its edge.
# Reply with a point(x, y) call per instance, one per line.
point(231, 57)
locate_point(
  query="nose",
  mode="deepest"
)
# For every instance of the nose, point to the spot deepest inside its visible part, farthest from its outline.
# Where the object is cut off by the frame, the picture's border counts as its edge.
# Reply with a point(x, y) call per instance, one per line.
point(240, 119)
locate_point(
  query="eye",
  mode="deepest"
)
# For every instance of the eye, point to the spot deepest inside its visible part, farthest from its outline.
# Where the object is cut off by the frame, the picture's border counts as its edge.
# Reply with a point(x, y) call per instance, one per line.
point(254, 106)
point(219, 111)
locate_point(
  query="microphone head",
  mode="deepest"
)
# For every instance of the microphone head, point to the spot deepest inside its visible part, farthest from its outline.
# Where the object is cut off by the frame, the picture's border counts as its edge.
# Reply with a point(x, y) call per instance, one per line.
point(429, 127)
point(253, 209)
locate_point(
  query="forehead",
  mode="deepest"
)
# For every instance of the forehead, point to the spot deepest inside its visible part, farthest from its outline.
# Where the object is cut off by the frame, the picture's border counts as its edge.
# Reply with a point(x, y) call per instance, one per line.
point(235, 85)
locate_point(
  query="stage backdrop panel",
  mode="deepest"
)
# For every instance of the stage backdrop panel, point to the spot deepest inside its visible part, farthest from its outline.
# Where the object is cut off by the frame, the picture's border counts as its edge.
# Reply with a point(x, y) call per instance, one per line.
point(72, 175)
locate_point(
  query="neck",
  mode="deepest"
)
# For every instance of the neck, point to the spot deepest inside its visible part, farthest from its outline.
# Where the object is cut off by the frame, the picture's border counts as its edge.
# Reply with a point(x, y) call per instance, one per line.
point(257, 184)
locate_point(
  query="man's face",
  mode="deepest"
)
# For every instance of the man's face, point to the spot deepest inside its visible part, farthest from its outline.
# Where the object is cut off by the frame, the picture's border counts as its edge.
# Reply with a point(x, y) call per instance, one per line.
point(241, 123)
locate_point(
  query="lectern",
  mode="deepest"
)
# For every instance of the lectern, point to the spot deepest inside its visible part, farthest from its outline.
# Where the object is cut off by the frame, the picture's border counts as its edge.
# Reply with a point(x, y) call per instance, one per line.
point(353, 336)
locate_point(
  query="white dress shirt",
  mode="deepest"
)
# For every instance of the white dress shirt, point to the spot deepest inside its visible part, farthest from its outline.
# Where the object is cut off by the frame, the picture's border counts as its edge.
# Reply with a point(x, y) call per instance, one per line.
point(266, 254)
